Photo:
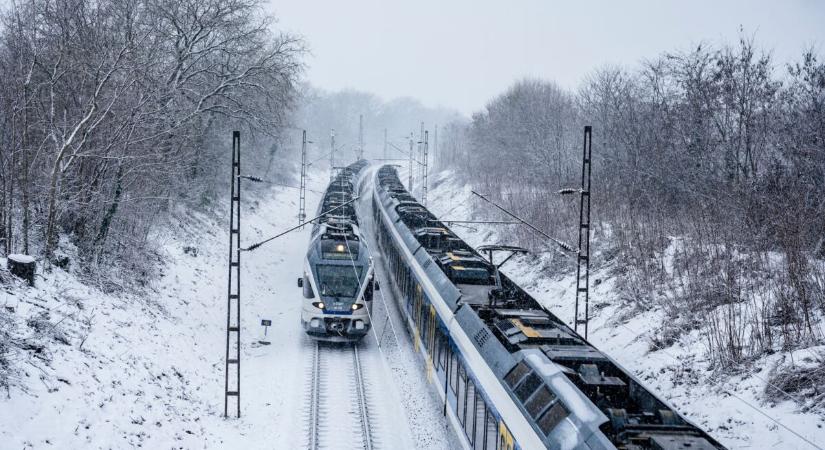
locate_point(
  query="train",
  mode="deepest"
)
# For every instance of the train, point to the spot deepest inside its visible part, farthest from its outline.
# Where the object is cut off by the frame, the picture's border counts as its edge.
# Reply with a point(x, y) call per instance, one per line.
point(338, 278)
point(511, 375)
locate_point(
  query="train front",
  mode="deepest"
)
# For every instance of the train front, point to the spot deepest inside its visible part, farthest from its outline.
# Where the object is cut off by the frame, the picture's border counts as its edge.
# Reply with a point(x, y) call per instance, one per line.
point(337, 284)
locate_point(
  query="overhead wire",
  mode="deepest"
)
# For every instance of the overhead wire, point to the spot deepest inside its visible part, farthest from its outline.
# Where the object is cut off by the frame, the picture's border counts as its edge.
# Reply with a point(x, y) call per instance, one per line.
point(256, 245)
point(369, 313)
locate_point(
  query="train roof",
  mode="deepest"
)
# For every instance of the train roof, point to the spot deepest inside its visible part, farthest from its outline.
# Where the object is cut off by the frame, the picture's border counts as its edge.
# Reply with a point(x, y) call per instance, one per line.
point(342, 216)
point(340, 224)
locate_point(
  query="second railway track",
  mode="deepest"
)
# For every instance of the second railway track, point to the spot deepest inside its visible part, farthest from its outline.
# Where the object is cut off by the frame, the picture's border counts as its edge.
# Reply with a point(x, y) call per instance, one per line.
point(339, 416)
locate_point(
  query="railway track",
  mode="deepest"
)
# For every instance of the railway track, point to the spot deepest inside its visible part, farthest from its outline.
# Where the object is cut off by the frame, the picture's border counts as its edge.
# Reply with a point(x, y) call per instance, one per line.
point(338, 404)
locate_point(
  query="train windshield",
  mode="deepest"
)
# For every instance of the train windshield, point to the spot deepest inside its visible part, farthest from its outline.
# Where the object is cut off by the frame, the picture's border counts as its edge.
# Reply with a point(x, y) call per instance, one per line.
point(339, 281)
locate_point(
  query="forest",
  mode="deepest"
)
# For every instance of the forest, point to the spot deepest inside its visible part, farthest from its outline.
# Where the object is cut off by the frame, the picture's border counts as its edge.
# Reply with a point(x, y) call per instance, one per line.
point(114, 112)
point(708, 186)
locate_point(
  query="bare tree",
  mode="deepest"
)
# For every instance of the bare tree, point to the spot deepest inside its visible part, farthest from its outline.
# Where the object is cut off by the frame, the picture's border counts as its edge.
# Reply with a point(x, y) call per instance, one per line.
point(112, 93)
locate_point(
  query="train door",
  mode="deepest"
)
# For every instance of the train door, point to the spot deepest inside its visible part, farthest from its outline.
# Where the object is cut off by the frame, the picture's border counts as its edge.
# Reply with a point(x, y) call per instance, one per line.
point(416, 316)
point(505, 438)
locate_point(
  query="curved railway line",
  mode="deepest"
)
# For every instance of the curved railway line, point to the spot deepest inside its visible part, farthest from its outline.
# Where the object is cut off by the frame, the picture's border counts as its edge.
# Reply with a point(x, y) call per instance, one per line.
point(510, 375)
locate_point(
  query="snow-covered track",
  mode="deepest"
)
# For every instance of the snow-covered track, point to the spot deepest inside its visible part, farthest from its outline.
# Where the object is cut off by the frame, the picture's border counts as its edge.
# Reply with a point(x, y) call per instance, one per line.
point(315, 398)
point(362, 399)
point(338, 403)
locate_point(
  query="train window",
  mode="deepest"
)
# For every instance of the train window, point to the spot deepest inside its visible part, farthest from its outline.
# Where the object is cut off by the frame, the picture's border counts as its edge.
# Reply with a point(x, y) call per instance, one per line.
point(480, 426)
point(410, 281)
point(516, 374)
point(491, 434)
point(552, 418)
point(540, 400)
point(462, 394)
point(419, 308)
point(308, 292)
point(339, 281)
point(470, 411)
point(443, 349)
point(454, 372)
point(433, 330)
point(527, 387)
point(420, 314)
point(435, 342)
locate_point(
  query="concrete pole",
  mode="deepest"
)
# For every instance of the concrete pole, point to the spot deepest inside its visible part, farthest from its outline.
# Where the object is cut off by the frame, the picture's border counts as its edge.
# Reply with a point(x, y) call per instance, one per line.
point(332, 155)
point(410, 183)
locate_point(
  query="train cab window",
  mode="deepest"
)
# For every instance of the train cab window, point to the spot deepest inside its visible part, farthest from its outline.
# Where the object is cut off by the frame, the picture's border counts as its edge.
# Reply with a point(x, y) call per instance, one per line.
point(339, 281)
point(516, 374)
point(527, 387)
point(539, 401)
point(552, 417)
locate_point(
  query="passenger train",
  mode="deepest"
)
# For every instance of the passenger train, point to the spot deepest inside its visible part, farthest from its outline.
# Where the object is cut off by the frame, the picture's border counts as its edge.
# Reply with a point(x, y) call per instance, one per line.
point(338, 272)
point(511, 374)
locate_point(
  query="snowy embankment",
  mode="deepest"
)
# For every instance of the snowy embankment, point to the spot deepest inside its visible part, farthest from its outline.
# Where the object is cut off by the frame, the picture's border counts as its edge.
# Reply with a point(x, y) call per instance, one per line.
point(93, 370)
point(734, 409)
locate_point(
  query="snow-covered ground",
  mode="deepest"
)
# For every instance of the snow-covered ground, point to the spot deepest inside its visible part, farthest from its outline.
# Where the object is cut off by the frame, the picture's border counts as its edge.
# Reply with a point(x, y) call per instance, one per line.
point(733, 410)
point(128, 371)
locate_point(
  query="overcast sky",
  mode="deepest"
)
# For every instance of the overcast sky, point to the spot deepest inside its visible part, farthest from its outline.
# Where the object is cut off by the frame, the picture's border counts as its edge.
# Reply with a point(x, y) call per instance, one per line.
point(460, 53)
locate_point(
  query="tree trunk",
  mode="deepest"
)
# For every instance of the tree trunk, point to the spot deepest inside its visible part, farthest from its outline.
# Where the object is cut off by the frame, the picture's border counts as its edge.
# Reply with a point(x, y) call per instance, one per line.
point(110, 213)
point(24, 186)
point(51, 216)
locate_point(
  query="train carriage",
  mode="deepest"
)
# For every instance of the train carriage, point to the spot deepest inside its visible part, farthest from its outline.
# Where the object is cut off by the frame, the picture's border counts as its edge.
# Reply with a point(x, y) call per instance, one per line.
point(511, 374)
point(338, 274)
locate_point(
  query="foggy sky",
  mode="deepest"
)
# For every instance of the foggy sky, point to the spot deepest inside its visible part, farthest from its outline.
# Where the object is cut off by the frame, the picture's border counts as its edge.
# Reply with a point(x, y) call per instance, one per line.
point(460, 53)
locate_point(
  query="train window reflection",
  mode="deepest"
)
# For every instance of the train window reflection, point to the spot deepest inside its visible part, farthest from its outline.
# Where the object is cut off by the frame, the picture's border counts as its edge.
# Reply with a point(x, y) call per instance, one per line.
point(339, 281)
point(516, 374)
point(527, 387)
point(539, 401)
point(552, 418)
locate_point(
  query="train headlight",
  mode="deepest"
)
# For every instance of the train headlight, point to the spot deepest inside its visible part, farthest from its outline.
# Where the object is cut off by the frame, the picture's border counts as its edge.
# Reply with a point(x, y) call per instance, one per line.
point(319, 305)
point(357, 306)
point(339, 248)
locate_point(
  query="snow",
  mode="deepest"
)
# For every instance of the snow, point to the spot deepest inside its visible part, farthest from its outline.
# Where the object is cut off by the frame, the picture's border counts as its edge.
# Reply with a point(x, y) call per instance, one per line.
point(732, 409)
point(546, 369)
point(125, 370)
point(573, 399)
point(23, 259)
point(148, 370)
